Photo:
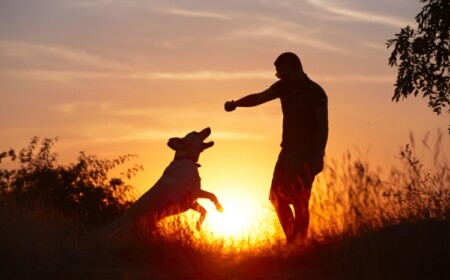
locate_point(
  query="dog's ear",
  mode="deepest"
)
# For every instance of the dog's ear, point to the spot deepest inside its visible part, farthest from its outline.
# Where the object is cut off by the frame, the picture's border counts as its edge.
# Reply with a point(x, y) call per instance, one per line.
point(176, 143)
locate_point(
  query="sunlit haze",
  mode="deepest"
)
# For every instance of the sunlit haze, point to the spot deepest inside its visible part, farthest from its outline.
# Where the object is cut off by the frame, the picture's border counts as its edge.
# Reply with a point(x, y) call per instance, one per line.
point(112, 77)
point(243, 222)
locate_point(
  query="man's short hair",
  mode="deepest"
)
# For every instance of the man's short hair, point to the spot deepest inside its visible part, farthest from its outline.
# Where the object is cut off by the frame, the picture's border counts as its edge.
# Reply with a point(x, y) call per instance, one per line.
point(289, 58)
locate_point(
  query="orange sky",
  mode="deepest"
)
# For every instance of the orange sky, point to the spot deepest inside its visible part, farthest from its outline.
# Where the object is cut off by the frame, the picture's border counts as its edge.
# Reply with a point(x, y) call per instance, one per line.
point(111, 77)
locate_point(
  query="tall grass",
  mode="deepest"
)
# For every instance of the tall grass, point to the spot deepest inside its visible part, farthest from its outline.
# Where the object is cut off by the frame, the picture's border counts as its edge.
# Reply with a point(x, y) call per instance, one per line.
point(363, 226)
point(34, 243)
point(352, 198)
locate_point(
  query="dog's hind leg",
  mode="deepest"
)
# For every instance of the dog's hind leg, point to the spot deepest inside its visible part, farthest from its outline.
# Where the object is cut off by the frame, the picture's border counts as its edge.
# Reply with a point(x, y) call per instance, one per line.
point(197, 207)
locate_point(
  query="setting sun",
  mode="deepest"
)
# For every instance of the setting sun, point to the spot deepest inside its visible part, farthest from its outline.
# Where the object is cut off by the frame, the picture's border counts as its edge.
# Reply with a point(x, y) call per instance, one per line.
point(236, 219)
point(245, 222)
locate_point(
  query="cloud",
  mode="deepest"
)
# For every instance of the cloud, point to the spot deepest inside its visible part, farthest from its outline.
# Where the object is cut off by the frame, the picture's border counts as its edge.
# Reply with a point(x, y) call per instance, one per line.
point(154, 123)
point(230, 135)
point(285, 35)
point(202, 75)
point(374, 46)
point(134, 136)
point(67, 76)
point(91, 3)
point(24, 51)
point(196, 14)
point(257, 27)
point(155, 134)
point(355, 15)
point(78, 107)
point(356, 78)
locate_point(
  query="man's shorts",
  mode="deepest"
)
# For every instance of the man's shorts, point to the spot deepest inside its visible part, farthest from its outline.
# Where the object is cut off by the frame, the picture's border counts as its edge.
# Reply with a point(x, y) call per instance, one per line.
point(293, 177)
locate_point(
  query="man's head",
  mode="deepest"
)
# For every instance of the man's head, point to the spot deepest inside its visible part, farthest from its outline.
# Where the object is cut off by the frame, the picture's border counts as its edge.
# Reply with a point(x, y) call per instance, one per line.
point(286, 64)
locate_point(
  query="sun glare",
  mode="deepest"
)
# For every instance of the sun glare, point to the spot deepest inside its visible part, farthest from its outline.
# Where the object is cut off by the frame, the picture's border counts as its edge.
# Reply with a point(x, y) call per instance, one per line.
point(235, 220)
point(245, 222)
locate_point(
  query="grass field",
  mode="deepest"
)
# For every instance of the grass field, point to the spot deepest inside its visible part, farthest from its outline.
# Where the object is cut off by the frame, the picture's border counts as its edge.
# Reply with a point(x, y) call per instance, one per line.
point(363, 227)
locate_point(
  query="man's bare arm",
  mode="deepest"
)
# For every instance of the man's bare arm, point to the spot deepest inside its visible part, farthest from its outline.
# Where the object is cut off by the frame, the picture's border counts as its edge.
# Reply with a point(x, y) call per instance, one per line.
point(251, 100)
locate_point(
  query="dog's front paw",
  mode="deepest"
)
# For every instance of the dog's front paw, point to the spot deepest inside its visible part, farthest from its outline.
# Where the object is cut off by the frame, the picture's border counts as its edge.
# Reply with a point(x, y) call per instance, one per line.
point(219, 207)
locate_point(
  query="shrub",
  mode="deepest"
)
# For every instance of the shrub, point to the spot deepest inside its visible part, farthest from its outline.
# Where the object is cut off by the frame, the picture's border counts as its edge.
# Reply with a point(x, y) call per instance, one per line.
point(82, 190)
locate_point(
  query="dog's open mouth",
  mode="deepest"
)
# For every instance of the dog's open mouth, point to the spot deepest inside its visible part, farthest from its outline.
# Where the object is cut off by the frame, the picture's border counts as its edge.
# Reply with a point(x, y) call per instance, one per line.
point(208, 145)
point(204, 134)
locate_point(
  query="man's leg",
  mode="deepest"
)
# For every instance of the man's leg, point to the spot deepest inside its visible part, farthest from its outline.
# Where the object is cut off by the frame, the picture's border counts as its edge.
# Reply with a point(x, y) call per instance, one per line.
point(285, 216)
point(303, 180)
point(301, 223)
point(281, 205)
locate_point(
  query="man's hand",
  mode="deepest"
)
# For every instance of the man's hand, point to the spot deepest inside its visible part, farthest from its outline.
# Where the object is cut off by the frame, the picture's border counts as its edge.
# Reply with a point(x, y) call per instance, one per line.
point(230, 106)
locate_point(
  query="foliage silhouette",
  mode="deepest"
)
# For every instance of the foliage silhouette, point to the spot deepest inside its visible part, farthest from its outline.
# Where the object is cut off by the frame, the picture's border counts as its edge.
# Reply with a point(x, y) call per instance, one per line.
point(372, 229)
point(82, 190)
point(423, 56)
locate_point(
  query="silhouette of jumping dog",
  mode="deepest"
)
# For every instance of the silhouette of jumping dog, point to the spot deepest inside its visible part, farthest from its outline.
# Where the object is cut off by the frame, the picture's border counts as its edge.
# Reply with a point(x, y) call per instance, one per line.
point(174, 193)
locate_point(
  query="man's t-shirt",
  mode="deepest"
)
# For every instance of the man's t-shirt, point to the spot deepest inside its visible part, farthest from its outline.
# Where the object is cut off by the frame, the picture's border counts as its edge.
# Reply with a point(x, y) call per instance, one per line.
point(299, 120)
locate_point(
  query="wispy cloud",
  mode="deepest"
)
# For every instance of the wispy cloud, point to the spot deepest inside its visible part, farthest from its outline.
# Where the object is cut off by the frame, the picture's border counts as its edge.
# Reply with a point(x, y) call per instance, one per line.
point(257, 27)
point(167, 133)
point(155, 123)
point(287, 36)
point(90, 3)
point(134, 136)
point(356, 15)
point(375, 46)
point(356, 78)
point(44, 53)
point(197, 14)
point(230, 135)
point(202, 75)
point(66, 76)
point(77, 107)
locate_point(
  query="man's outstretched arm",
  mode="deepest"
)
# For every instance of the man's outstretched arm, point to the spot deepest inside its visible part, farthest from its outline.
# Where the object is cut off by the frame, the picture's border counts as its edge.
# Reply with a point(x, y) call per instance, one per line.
point(251, 100)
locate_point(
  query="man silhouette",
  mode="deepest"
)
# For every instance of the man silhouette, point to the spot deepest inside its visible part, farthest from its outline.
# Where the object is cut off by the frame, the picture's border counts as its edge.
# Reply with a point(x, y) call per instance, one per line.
point(305, 133)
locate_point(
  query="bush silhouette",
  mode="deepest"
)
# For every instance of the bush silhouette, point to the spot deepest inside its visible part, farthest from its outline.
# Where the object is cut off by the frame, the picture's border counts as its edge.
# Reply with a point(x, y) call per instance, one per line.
point(82, 190)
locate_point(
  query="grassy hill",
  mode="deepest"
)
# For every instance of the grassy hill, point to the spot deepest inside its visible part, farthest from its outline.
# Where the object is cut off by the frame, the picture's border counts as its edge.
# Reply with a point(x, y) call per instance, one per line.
point(362, 227)
point(36, 245)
